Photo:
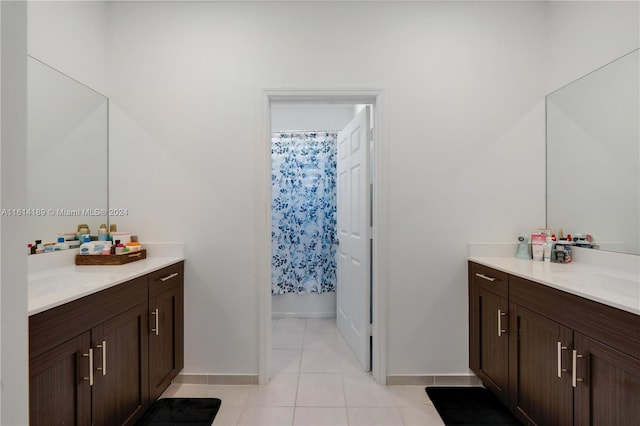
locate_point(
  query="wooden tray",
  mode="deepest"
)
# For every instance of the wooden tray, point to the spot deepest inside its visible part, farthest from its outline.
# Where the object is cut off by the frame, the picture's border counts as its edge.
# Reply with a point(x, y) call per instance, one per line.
point(110, 259)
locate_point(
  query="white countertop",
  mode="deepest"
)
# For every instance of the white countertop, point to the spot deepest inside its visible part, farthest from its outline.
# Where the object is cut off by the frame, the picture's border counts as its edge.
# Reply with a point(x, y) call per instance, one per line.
point(55, 286)
point(611, 287)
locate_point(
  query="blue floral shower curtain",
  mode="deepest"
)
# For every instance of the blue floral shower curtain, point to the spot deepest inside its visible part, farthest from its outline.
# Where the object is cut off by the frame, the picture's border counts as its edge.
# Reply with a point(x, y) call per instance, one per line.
point(303, 215)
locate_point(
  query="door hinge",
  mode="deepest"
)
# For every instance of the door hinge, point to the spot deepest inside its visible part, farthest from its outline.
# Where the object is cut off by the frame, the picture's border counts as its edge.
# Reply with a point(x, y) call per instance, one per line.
point(370, 329)
point(370, 135)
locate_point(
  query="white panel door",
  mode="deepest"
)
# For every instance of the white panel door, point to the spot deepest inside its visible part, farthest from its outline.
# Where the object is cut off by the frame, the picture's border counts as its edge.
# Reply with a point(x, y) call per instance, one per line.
point(353, 257)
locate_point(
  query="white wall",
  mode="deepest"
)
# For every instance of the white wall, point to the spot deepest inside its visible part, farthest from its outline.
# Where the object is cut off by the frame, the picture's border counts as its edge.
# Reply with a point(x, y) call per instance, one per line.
point(585, 35)
point(287, 116)
point(71, 37)
point(14, 377)
point(304, 305)
point(464, 84)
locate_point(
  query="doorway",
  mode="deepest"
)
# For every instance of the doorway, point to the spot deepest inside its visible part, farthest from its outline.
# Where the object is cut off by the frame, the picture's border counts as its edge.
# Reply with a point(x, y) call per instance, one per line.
point(320, 225)
point(376, 224)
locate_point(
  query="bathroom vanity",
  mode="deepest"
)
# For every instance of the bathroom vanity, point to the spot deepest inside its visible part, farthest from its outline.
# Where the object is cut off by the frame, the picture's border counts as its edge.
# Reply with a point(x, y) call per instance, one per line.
point(104, 342)
point(558, 344)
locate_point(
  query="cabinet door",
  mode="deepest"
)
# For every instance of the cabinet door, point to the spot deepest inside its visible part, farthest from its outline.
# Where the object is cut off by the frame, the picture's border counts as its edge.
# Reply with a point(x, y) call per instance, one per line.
point(491, 326)
point(607, 385)
point(59, 388)
point(166, 339)
point(488, 328)
point(540, 391)
point(121, 388)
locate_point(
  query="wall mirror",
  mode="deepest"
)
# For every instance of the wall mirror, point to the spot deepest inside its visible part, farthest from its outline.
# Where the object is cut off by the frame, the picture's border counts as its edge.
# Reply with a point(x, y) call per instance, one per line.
point(593, 156)
point(67, 148)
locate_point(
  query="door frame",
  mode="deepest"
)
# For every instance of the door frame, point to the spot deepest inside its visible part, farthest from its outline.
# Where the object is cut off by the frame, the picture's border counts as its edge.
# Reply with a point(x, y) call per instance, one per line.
point(380, 211)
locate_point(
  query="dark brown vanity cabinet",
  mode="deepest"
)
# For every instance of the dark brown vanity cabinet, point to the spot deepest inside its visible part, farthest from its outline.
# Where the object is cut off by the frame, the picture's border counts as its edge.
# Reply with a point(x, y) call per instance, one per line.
point(540, 389)
point(609, 385)
point(570, 360)
point(120, 385)
point(489, 336)
point(166, 341)
point(90, 360)
point(58, 391)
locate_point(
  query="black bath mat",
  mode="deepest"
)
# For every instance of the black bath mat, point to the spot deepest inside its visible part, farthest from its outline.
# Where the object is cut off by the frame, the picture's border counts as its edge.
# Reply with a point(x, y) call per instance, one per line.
point(469, 406)
point(181, 411)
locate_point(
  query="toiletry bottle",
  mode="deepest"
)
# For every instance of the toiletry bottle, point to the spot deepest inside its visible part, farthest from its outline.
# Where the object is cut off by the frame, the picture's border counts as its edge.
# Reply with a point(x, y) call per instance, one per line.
point(133, 245)
point(32, 248)
point(548, 245)
point(83, 228)
point(112, 228)
point(87, 248)
point(120, 249)
point(61, 245)
point(114, 245)
point(103, 234)
point(39, 246)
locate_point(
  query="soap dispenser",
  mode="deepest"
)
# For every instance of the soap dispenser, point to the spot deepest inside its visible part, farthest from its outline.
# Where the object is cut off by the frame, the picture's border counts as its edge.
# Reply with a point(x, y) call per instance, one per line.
point(523, 248)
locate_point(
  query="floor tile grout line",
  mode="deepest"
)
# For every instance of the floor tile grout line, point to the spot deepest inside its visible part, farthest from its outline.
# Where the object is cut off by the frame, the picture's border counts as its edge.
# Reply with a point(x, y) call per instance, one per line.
point(335, 348)
point(295, 401)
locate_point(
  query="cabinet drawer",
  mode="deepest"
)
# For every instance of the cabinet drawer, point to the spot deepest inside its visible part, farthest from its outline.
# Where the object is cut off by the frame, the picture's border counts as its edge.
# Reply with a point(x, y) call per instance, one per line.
point(611, 326)
point(50, 328)
point(488, 278)
point(166, 278)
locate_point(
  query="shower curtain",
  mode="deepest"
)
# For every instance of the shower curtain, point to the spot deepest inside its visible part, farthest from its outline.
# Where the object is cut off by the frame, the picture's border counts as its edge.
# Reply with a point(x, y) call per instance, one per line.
point(303, 214)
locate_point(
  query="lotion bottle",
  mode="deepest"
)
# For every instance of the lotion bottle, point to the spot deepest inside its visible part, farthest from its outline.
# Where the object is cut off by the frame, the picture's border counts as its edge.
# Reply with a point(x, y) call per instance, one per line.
point(548, 244)
point(61, 245)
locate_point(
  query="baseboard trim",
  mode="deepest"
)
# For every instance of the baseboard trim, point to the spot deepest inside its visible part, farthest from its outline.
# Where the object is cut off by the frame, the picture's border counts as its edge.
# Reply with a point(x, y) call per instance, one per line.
point(279, 315)
point(433, 380)
point(217, 379)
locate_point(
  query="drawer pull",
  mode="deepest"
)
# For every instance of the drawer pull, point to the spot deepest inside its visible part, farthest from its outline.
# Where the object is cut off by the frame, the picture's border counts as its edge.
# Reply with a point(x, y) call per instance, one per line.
point(501, 331)
point(168, 277)
point(574, 366)
point(484, 277)
point(155, 313)
point(90, 356)
point(560, 349)
point(104, 358)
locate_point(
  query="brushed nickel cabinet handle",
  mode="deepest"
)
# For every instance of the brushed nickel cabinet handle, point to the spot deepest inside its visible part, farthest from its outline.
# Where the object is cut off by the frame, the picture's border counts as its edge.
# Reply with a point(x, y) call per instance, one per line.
point(574, 372)
point(168, 277)
point(104, 358)
point(501, 331)
point(484, 277)
point(90, 356)
point(560, 349)
point(156, 313)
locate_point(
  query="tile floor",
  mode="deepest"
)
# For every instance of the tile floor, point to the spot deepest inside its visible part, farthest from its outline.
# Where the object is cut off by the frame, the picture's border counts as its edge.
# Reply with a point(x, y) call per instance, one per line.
point(316, 380)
